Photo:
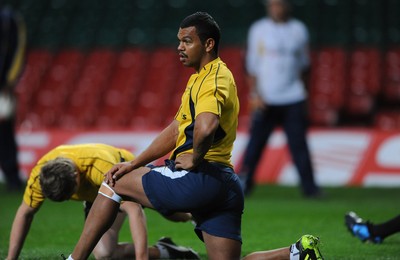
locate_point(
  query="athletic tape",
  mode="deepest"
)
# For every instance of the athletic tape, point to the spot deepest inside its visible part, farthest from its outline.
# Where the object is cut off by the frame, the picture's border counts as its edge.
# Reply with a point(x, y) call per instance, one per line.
point(108, 192)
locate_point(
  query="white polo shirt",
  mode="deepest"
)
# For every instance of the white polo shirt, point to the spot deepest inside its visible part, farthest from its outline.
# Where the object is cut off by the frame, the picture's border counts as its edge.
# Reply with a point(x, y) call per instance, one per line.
point(277, 54)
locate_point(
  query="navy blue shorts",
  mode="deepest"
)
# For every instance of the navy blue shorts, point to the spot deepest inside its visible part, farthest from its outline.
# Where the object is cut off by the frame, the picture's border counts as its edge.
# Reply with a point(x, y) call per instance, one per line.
point(211, 192)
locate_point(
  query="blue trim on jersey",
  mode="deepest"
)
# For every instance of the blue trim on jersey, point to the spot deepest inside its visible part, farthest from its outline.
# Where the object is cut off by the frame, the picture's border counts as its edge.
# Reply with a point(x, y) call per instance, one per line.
point(189, 131)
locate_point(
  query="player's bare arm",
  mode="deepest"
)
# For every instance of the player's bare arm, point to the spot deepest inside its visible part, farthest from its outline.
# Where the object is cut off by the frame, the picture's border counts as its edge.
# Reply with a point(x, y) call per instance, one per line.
point(256, 102)
point(204, 129)
point(20, 229)
point(164, 143)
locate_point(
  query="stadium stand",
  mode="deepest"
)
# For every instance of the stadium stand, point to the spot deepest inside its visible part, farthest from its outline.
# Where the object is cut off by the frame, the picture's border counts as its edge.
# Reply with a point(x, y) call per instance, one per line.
point(112, 64)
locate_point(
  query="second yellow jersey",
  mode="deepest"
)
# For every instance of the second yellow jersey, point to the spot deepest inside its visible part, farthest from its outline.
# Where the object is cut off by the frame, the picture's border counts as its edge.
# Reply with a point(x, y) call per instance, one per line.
point(92, 160)
point(213, 90)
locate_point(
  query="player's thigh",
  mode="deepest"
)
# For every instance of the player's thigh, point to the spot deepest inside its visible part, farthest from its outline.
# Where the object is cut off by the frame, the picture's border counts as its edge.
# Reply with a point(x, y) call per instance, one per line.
point(130, 187)
point(220, 248)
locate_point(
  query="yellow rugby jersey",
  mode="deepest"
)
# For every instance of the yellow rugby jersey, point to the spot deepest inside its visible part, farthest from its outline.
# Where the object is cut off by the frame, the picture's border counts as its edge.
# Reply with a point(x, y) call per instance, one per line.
point(92, 160)
point(212, 90)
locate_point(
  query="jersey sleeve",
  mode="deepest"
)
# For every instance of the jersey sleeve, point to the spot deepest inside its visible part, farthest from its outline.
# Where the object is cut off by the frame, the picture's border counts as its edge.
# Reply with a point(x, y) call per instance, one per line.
point(213, 93)
point(304, 51)
point(33, 195)
point(252, 50)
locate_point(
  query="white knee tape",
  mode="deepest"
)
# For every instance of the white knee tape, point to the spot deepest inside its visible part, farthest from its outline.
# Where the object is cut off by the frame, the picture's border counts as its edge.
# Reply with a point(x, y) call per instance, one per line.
point(108, 192)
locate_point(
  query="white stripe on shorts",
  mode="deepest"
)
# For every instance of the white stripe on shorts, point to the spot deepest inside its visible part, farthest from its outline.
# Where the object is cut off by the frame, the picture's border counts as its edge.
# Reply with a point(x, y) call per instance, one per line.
point(167, 172)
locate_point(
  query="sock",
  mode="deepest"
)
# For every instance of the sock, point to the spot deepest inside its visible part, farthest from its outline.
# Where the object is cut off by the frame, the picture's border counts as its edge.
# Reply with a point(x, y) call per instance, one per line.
point(294, 252)
point(164, 254)
point(385, 229)
point(70, 257)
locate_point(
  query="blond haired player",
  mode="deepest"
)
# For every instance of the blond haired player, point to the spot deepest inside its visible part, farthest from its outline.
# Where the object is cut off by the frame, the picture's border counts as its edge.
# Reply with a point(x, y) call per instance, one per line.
point(75, 172)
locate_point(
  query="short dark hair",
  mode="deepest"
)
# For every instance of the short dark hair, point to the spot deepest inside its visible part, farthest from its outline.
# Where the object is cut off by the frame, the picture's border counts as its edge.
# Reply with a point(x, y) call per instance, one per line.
point(205, 25)
point(57, 179)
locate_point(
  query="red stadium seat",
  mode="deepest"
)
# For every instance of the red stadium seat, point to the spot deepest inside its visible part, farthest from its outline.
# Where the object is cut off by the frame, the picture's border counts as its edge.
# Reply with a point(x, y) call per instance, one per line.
point(327, 80)
point(155, 96)
point(387, 120)
point(53, 92)
point(359, 104)
point(86, 99)
point(323, 117)
point(37, 63)
point(365, 70)
point(392, 75)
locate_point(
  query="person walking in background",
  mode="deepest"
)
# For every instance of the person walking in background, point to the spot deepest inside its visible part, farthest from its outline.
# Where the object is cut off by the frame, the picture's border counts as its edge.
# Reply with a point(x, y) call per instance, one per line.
point(366, 231)
point(277, 59)
point(12, 51)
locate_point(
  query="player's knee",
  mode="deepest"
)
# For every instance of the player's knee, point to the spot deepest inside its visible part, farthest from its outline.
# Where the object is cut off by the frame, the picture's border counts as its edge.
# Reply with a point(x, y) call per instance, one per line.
point(109, 192)
point(102, 252)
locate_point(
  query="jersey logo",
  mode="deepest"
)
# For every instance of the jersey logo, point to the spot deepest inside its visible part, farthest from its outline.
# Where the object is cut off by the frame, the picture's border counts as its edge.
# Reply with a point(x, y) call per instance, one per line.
point(184, 117)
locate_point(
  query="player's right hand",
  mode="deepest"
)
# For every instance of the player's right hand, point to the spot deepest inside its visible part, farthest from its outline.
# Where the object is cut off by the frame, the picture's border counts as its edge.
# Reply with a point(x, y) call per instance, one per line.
point(256, 103)
point(117, 171)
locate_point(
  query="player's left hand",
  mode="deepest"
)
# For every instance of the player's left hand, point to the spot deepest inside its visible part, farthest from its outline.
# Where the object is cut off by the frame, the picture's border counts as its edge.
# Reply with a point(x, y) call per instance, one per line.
point(184, 162)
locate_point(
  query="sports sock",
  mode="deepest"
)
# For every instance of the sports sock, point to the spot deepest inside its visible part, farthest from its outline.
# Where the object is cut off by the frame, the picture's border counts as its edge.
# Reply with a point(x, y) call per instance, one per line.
point(164, 254)
point(385, 229)
point(294, 252)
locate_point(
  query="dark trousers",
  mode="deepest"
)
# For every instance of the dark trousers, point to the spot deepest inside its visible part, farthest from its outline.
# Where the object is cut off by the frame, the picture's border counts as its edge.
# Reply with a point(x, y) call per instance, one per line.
point(293, 119)
point(8, 154)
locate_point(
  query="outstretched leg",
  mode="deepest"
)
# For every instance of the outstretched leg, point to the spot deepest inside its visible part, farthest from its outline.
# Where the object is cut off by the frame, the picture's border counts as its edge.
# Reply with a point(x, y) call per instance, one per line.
point(278, 254)
point(387, 228)
point(305, 248)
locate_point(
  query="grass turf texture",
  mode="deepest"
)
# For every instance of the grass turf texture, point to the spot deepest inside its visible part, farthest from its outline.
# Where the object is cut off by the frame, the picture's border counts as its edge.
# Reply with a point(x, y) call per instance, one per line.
point(274, 217)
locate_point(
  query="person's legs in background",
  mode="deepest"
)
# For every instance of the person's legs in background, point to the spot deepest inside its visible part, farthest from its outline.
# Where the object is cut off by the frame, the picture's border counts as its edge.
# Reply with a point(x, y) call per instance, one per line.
point(262, 126)
point(8, 155)
point(295, 127)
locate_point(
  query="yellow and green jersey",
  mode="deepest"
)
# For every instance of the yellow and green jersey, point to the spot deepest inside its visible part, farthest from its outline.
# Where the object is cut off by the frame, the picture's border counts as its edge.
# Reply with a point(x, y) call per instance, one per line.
point(92, 161)
point(212, 89)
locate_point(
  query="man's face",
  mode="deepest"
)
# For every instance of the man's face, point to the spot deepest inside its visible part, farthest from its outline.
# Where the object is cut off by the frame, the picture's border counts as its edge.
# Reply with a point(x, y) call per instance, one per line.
point(191, 50)
point(277, 10)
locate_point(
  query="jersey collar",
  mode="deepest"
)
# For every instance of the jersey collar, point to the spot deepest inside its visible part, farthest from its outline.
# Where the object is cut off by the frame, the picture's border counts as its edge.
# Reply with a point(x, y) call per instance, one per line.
point(210, 64)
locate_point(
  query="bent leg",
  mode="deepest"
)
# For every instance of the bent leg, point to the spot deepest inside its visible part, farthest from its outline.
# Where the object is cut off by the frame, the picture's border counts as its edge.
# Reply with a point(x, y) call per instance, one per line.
point(295, 127)
point(105, 209)
point(179, 217)
point(219, 248)
point(100, 218)
point(130, 187)
point(108, 246)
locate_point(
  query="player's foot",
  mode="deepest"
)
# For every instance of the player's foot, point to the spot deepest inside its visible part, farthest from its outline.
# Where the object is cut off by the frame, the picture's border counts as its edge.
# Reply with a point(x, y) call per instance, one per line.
point(308, 249)
point(360, 228)
point(175, 251)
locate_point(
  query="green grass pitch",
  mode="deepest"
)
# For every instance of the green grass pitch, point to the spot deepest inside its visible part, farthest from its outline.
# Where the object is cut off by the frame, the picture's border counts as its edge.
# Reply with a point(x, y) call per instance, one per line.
point(274, 217)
